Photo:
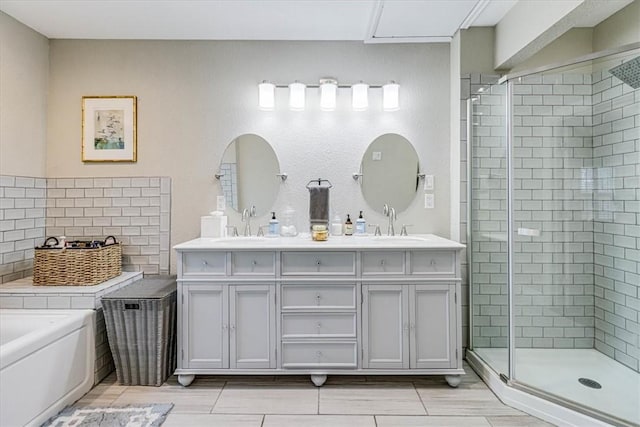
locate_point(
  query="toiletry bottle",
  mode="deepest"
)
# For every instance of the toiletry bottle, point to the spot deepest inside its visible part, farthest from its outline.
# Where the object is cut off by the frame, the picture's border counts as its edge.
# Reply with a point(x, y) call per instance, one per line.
point(361, 225)
point(336, 226)
point(348, 227)
point(274, 225)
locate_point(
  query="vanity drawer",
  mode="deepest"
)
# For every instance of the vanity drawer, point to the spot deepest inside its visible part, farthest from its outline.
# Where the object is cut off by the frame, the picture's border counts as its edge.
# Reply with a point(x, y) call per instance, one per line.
point(204, 263)
point(318, 325)
point(318, 296)
point(253, 263)
point(433, 262)
point(319, 354)
point(383, 262)
point(318, 263)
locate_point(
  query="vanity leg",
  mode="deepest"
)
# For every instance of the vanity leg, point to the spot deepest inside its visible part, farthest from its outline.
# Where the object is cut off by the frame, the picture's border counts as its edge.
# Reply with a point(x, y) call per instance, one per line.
point(453, 380)
point(318, 379)
point(186, 380)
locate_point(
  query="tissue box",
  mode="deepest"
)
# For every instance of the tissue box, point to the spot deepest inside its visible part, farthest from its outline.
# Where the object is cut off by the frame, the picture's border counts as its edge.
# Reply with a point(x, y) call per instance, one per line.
point(213, 226)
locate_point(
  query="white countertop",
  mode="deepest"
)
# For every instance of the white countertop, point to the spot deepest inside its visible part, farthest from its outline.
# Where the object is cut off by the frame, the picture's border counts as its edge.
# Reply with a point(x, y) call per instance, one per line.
point(303, 241)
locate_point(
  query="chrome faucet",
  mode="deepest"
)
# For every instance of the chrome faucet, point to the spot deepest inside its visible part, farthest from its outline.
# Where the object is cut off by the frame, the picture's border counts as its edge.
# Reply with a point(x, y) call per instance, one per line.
point(391, 213)
point(246, 216)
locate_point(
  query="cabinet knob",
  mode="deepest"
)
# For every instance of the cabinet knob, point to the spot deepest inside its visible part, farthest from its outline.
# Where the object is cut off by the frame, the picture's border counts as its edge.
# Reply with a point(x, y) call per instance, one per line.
point(382, 262)
point(232, 327)
point(204, 263)
point(224, 326)
point(318, 262)
point(318, 354)
point(318, 297)
point(319, 325)
point(405, 326)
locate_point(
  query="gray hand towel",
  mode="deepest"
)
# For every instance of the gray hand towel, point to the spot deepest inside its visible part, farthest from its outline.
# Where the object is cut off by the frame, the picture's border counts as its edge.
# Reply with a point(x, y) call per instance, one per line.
point(319, 205)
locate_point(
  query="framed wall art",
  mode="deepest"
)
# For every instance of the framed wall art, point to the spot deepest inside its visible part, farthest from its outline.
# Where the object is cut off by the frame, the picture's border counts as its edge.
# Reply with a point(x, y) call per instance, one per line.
point(109, 132)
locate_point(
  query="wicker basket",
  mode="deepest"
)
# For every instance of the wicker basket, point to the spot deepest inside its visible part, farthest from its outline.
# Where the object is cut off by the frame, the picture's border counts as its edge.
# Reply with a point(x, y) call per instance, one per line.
point(76, 266)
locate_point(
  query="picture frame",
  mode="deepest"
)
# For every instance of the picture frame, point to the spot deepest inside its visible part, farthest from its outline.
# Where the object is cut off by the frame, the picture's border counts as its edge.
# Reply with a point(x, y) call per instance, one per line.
point(109, 128)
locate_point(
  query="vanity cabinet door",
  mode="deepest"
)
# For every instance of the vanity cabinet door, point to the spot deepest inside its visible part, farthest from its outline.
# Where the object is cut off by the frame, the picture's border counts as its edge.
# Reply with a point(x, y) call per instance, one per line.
point(432, 326)
point(252, 330)
point(204, 326)
point(385, 326)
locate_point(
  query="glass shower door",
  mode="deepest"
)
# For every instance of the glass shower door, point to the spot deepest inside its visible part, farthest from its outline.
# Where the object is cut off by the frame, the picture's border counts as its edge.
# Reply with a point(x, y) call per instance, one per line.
point(576, 246)
point(488, 219)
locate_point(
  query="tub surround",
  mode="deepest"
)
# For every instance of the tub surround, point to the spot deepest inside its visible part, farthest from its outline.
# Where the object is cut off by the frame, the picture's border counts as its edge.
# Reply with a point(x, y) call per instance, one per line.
point(22, 294)
point(136, 210)
point(384, 305)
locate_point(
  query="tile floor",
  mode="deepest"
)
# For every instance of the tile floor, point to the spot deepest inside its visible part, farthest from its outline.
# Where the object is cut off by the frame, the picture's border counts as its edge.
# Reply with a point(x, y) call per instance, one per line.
point(353, 401)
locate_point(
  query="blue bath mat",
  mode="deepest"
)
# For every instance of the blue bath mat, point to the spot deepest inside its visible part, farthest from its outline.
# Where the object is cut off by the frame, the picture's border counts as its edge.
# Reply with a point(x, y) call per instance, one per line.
point(150, 415)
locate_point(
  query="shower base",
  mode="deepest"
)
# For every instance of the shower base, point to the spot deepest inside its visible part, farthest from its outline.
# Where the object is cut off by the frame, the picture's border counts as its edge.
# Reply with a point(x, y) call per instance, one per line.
point(557, 371)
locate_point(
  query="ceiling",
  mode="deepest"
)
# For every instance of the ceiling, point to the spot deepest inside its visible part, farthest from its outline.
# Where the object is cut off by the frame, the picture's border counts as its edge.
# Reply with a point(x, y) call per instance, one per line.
point(373, 21)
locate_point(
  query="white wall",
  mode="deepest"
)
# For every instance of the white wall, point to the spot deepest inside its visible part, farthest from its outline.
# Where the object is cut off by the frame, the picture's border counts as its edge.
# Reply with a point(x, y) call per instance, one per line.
point(527, 27)
point(24, 72)
point(195, 97)
point(619, 29)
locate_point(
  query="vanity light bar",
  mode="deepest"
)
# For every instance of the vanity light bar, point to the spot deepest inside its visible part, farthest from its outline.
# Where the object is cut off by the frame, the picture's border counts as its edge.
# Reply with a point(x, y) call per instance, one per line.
point(328, 95)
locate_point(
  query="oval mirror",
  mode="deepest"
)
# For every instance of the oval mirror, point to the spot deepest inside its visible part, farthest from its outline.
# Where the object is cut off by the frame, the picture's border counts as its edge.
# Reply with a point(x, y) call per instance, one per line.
point(248, 174)
point(389, 171)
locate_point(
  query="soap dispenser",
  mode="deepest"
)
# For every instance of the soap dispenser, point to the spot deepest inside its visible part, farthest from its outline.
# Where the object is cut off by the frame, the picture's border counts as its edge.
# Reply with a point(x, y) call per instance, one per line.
point(348, 227)
point(274, 225)
point(361, 225)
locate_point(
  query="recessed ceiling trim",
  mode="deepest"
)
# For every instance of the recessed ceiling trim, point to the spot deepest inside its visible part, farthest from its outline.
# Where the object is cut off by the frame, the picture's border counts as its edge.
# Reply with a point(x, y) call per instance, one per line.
point(479, 7)
point(376, 13)
point(424, 39)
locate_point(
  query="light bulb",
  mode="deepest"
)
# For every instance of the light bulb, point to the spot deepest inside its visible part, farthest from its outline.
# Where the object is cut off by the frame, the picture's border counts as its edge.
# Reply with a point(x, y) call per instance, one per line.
point(328, 93)
point(360, 96)
point(266, 96)
point(296, 96)
point(390, 96)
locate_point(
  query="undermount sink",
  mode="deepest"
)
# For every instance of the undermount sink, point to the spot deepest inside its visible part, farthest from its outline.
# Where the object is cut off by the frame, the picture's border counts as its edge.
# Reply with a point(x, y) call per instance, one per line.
point(242, 239)
point(397, 239)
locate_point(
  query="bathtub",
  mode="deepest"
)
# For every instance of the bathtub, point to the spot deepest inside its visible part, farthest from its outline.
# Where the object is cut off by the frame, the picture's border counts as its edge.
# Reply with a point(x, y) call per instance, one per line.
point(46, 362)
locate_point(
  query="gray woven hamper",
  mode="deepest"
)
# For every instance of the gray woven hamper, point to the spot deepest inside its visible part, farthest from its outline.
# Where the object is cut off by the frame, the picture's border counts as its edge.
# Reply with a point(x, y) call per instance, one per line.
point(141, 329)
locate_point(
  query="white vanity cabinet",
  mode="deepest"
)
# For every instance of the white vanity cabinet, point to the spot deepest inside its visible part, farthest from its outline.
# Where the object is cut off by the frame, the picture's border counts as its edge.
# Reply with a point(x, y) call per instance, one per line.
point(346, 306)
point(409, 326)
point(228, 326)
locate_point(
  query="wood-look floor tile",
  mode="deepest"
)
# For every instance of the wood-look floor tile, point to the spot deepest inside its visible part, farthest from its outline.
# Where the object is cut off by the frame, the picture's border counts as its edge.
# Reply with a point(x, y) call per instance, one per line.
point(319, 421)
point(212, 420)
point(267, 399)
point(185, 399)
point(104, 394)
point(480, 402)
point(523, 421)
point(430, 421)
point(391, 399)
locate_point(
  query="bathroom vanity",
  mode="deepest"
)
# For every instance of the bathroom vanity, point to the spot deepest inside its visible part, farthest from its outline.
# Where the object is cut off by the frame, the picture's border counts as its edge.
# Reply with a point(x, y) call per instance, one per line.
point(351, 305)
